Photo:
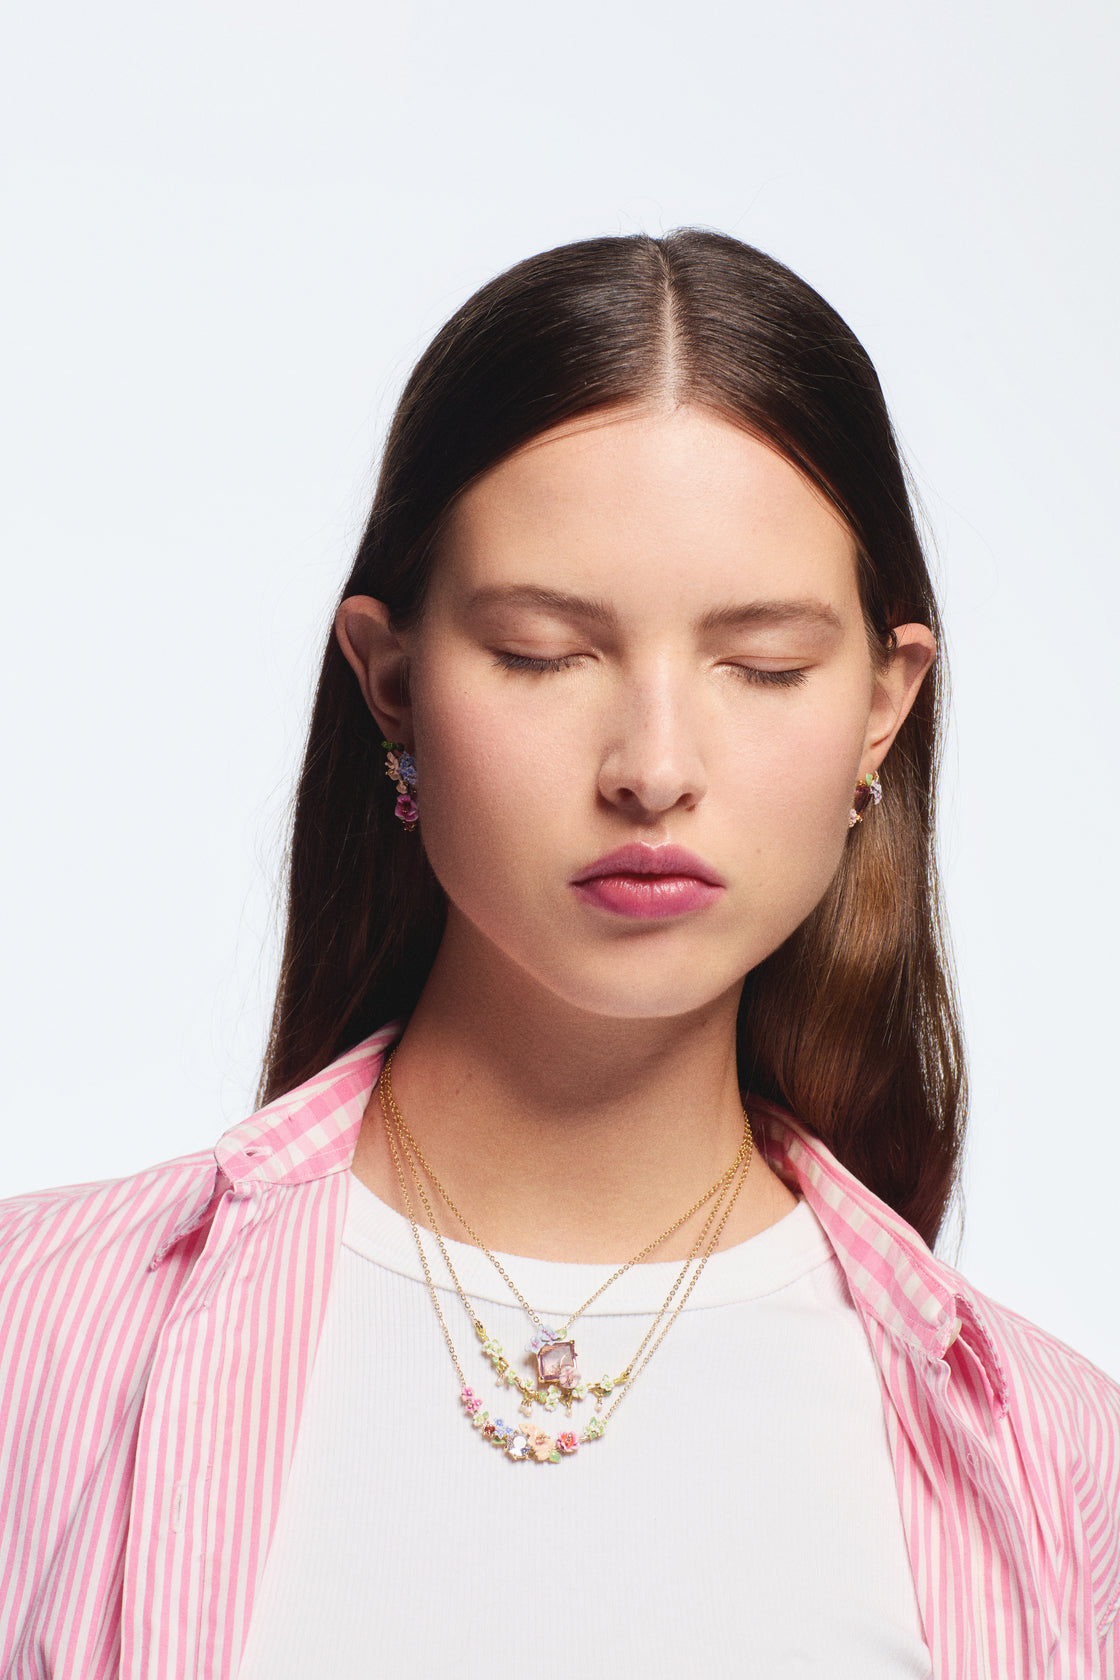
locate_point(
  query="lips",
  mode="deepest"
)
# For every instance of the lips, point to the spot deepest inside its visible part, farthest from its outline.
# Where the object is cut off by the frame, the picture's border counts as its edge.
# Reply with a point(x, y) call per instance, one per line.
point(640, 859)
point(649, 882)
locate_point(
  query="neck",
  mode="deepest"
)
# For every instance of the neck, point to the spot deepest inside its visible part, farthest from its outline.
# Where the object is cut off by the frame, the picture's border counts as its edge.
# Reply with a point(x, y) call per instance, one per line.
point(564, 1135)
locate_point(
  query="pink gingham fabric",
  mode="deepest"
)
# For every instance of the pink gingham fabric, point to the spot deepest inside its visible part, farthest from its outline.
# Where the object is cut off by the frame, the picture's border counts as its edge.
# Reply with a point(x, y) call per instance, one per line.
point(158, 1333)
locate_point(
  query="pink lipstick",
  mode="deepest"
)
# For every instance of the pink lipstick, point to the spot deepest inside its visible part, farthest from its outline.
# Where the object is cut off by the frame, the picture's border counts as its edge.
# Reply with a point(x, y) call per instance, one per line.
point(649, 882)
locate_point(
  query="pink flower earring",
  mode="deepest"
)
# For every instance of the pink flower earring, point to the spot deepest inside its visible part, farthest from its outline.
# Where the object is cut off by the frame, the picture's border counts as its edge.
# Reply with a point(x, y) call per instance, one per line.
point(867, 792)
point(400, 767)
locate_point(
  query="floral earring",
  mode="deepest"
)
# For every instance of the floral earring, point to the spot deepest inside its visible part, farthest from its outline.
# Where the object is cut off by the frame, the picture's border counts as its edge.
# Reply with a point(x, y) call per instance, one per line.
point(400, 767)
point(867, 792)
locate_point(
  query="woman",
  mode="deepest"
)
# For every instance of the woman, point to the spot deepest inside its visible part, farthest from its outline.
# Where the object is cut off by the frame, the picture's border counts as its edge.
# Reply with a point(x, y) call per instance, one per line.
point(617, 802)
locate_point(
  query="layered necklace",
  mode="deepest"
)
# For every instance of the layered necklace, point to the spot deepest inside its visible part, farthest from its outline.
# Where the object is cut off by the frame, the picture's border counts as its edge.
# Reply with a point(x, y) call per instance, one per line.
point(556, 1380)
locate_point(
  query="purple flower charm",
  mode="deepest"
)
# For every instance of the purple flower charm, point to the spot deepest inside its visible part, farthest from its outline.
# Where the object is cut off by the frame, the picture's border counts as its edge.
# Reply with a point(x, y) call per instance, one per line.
point(400, 767)
point(868, 791)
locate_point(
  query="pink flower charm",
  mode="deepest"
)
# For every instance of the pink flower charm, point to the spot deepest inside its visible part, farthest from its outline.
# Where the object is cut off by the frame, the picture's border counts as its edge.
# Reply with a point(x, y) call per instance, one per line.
point(567, 1442)
point(400, 767)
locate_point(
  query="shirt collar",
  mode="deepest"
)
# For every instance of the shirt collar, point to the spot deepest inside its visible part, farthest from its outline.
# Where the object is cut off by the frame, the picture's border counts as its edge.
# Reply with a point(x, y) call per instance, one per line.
point(312, 1130)
point(894, 1279)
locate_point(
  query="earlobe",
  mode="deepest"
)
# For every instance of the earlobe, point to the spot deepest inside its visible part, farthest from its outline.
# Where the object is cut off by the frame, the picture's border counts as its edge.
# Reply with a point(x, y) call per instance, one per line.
point(896, 687)
point(373, 650)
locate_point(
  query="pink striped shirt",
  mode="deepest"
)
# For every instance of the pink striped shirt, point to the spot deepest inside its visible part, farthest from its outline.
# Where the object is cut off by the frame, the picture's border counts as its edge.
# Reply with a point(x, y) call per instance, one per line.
point(159, 1331)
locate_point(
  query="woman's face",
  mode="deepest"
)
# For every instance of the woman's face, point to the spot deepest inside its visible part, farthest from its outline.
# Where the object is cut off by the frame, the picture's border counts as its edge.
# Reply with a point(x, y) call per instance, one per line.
point(643, 632)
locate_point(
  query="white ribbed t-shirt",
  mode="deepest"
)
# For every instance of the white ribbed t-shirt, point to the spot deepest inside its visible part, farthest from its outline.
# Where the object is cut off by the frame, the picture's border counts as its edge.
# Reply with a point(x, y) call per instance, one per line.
point(739, 1517)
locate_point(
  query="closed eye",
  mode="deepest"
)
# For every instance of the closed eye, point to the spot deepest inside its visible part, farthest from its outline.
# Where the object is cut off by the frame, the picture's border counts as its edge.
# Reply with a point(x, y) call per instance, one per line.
point(770, 679)
point(524, 662)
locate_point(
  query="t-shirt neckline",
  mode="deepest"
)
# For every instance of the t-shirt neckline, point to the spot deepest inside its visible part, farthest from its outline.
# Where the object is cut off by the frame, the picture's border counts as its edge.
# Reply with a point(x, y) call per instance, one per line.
point(764, 1263)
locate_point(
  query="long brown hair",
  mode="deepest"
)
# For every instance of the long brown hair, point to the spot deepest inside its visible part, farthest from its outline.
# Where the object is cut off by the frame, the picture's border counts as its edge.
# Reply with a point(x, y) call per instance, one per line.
point(852, 1023)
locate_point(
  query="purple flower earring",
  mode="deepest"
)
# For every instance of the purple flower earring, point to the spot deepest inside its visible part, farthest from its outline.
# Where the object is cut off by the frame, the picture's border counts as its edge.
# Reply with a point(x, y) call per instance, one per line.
point(867, 792)
point(400, 767)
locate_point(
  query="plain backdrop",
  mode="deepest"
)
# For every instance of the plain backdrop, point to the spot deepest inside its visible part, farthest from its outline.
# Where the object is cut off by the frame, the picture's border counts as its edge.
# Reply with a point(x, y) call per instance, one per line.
point(229, 230)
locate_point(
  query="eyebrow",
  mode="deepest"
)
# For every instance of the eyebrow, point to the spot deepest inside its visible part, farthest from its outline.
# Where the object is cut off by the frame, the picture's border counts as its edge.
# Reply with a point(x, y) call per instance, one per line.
point(746, 615)
point(556, 601)
point(808, 613)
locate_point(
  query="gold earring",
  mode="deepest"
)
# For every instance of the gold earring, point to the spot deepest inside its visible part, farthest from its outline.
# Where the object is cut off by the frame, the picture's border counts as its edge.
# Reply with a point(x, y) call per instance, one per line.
point(867, 792)
point(400, 767)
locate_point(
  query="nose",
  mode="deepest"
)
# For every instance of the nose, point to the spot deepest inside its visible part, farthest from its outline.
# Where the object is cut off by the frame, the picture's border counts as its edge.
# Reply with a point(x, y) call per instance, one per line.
point(652, 763)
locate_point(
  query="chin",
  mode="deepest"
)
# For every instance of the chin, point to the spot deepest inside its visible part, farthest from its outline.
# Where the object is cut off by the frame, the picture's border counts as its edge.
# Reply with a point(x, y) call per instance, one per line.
point(646, 995)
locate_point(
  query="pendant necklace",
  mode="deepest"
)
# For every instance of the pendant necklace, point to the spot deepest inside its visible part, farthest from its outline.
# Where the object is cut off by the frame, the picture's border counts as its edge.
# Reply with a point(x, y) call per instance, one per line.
point(558, 1379)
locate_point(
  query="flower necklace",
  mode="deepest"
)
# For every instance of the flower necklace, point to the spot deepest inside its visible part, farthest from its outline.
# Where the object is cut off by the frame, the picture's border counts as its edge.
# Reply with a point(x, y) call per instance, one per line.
point(528, 1441)
point(552, 1353)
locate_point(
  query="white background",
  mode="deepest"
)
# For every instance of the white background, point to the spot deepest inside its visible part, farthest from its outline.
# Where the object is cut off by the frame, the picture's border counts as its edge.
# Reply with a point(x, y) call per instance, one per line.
point(231, 228)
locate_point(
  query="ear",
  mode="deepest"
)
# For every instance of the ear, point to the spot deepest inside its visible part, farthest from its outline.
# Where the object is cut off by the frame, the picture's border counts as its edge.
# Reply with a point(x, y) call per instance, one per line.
point(894, 688)
point(376, 655)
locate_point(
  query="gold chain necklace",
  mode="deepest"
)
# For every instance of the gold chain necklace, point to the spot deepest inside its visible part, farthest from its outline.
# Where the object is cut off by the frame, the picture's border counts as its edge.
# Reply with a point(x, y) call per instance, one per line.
point(568, 1386)
point(558, 1378)
point(527, 1441)
point(720, 1184)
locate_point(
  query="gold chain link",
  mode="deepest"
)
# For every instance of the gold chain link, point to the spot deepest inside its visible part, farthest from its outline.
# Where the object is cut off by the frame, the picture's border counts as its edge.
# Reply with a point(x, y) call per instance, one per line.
point(644, 1352)
point(635, 1369)
point(423, 1256)
point(720, 1185)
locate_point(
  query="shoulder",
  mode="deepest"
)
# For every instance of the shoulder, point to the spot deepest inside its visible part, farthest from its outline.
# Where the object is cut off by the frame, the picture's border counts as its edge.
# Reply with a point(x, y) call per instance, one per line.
point(88, 1276)
point(1061, 1401)
point(81, 1279)
point(1064, 1415)
point(916, 1295)
point(992, 1389)
point(47, 1230)
point(88, 1273)
point(116, 1235)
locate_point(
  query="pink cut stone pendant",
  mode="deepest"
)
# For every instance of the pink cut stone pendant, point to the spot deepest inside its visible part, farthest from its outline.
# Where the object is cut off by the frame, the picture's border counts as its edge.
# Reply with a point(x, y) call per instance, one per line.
point(556, 1363)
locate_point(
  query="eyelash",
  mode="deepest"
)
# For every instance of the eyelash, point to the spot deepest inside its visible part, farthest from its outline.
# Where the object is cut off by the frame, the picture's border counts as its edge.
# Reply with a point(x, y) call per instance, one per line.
point(749, 673)
point(770, 679)
point(523, 662)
